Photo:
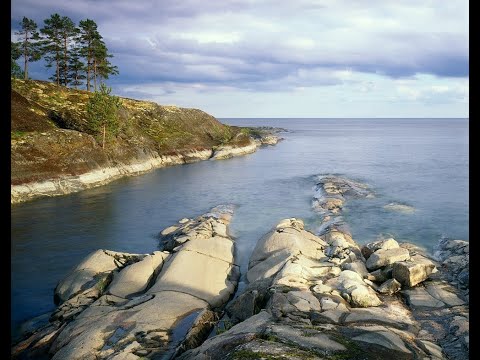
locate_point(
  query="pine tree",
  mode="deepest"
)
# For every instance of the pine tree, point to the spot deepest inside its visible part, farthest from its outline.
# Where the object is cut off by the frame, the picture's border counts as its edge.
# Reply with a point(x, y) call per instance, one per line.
point(89, 39)
point(76, 68)
point(102, 112)
point(68, 32)
point(52, 44)
point(28, 43)
point(102, 67)
point(15, 54)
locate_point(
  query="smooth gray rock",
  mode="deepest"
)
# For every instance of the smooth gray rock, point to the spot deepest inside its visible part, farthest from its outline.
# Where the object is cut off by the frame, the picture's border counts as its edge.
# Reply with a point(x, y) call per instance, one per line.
point(287, 235)
point(219, 346)
point(92, 271)
point(384, 338)
point(358, 266)
point(431, 348)
point(444, 293)
point(370, 248)
point(270, 266)
point(136, 277)
point(419, 297)
point(381, 258)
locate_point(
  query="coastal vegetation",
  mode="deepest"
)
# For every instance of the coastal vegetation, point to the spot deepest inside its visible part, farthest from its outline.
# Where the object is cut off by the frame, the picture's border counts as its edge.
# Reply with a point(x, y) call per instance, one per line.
point(102, 111)
point(59, 132)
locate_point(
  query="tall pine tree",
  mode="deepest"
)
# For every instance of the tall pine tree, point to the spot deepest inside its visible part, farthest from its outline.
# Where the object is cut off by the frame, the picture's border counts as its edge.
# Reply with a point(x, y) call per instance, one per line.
point(53, 44)
point(89, 39)
point(28, 42)
point(68, 32)
point(102, 67)
point(76, 68)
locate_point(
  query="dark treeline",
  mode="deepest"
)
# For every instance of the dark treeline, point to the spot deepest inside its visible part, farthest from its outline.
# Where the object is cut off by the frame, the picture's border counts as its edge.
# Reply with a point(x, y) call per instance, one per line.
point(77, 54)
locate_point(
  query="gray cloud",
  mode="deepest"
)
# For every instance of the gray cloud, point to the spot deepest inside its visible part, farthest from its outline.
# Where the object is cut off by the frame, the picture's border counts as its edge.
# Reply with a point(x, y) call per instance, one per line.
point(267, 45)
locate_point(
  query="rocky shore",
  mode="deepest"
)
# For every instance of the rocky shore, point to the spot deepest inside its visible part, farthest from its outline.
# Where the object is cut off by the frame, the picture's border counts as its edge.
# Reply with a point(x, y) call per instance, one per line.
point(55, 152)
point(309, 296)
point(66, 184)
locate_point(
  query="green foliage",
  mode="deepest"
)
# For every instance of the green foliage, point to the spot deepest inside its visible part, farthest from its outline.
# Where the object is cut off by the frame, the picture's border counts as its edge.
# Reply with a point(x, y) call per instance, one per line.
point(59, 32)
point(76, 53)
point(15, 53)
point(28, 44)
point(17, 134)
point(52, 44)
point(102, 111)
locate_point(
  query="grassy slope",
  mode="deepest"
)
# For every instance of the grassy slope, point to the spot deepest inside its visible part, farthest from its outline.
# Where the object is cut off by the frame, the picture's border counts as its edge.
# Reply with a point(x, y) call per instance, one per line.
point(50, 136)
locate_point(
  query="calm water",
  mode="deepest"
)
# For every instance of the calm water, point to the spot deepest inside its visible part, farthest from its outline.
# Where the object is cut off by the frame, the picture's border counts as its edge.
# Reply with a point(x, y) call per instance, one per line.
point(419, 162)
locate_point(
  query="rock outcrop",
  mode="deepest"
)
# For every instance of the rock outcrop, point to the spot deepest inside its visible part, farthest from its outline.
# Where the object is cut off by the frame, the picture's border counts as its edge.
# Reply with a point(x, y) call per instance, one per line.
point(316, 297)
point(309, 296)
point(128, 306)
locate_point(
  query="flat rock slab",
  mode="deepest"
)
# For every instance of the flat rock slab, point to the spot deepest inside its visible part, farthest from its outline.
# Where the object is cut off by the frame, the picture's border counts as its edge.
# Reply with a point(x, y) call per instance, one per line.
point(392, 315)
point(219, 346)
point(444, 293)
point(310, 340)
point(431, 348)
point(196, 274)
point(386, 339)
point(419, 297)
point(216, 247)
point(303, 301)
point(83, 337)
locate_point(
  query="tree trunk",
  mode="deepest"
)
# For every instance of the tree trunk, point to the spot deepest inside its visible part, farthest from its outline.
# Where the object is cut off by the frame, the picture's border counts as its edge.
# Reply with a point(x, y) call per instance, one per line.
point(95, 74)
point(88, 66)
point(65, 59)
point(58, 68)
point(103, 144)
point(25, 55)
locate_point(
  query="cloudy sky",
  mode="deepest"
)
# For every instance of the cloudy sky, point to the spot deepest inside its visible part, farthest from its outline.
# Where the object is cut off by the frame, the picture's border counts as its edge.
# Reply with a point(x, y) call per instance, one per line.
point(266, 58)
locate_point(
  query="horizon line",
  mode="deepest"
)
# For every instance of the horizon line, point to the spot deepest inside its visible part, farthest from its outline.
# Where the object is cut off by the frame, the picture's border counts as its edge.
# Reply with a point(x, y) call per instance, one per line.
point(331, 117)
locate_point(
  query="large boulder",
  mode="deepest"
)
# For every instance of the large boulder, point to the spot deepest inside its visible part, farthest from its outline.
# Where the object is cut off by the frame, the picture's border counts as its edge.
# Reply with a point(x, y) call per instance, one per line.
point(410, 273)
point(381, 258)
point(385, 244)
point(288, 235)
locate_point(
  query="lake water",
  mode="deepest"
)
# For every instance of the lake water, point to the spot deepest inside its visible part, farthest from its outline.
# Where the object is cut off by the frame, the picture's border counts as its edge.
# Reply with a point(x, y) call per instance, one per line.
point(419, 162)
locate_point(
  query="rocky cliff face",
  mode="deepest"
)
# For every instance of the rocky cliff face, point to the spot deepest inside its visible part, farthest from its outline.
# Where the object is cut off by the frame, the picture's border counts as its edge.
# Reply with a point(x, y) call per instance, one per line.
point(53, 152)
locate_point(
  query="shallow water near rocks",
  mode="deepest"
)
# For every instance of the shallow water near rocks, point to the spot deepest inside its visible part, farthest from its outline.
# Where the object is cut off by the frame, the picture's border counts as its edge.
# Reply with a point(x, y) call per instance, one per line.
point(422, 163)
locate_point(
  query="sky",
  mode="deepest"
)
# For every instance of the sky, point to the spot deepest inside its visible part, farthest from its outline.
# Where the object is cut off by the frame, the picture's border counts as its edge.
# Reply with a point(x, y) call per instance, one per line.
point(281, 58)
